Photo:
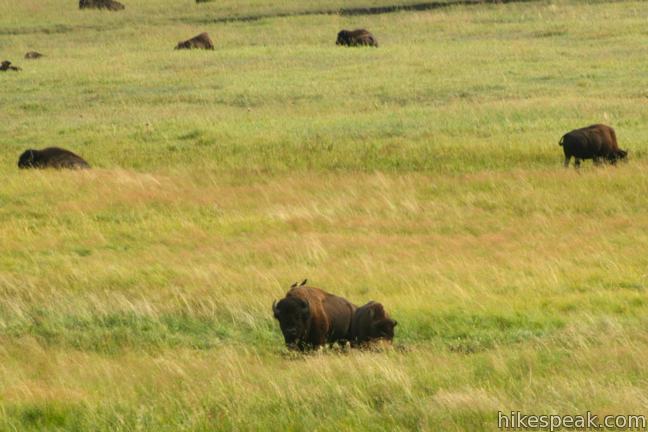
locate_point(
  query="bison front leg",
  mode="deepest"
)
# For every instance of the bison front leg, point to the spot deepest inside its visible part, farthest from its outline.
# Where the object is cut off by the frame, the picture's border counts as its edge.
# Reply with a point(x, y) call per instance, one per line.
point(597, 161)
point(577, 163)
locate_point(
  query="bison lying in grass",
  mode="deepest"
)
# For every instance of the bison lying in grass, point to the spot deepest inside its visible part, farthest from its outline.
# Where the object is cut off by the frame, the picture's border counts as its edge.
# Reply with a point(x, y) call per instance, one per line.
point(202, 41)
point(310, 317)
point(371, 323)
point(6, 66)
point(359, 37)
point(101, 4)
point(33, 55)
point(594, 142)
point(51, 157)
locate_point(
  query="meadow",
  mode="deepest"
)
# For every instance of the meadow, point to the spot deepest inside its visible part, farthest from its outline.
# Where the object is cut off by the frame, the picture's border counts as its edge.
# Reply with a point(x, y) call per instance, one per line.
point(424, 174)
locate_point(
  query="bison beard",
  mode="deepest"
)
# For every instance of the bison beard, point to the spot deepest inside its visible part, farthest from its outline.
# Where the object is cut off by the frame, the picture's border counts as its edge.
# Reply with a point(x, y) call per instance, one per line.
point(594, 142)
point(51, 157)
point(309, 317)
point(371, 323)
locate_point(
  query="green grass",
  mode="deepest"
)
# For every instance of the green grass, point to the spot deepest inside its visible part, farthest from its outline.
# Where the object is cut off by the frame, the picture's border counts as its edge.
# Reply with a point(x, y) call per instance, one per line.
point(425, 174)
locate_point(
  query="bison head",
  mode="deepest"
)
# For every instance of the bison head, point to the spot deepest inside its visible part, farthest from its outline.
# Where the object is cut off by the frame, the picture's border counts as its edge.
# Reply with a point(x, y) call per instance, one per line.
point(622, 155)
point(342, 38)
point(384, 329)
point(616, 156)
point(183, 45)
point(26, 159)
point(293, 314)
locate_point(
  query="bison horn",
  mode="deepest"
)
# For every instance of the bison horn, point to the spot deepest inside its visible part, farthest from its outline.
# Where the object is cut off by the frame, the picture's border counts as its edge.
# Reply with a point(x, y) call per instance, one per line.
point(304, 282)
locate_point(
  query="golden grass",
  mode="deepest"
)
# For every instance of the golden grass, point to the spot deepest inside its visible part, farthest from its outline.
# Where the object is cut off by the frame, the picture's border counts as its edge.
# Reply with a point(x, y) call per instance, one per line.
point(424, 174)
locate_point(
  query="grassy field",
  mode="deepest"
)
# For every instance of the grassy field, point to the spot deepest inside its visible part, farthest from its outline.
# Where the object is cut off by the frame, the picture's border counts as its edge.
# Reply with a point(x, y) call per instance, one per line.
point(425, 174)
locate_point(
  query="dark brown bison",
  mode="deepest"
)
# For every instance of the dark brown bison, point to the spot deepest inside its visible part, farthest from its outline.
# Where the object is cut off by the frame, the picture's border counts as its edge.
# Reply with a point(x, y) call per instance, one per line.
point(592, 142)
point(359, 37)
point(371, 323)
point(6, 66)
point(33, 55)
point(101, 4)
point(309, 317)
point(51, 157)
point(202, 41)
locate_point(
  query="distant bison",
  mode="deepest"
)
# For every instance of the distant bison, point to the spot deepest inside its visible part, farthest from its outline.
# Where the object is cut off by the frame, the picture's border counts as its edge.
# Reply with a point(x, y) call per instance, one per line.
point(6, 66)
point(101, 4)
point(309, 317)
point(33, 55)
point(51, 157)
point(592, 142)
point(371, 323)
point(201, 41)
point(359, 37)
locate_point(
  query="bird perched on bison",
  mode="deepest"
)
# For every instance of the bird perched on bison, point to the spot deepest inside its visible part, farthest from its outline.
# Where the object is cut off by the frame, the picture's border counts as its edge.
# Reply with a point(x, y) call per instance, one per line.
point(51, 157)
point(371, 323)
point(202, 41)
point(359, 37)
point(101, 4)
point(310, 317)
point(594, 142)
point(6, 66)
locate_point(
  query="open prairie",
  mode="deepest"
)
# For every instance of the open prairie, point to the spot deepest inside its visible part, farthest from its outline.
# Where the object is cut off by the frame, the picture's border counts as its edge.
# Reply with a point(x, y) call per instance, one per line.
point(425, 174)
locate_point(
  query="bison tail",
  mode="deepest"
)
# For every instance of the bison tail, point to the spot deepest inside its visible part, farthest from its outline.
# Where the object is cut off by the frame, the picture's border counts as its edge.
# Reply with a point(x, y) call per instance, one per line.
point(560, 143)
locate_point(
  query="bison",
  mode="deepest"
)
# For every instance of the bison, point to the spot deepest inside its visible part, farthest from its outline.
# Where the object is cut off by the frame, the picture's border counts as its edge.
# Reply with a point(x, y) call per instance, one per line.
point(51, 157)
point(33, 55)
point(6, 66)
point(359, 37)
point(310, 317)
point(101, 4)
point(594, 142)
point(371, 323)
point(202, 41)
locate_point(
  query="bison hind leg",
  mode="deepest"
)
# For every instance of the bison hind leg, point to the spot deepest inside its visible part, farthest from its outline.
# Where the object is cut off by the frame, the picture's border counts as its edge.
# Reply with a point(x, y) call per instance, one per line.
point(566, 162)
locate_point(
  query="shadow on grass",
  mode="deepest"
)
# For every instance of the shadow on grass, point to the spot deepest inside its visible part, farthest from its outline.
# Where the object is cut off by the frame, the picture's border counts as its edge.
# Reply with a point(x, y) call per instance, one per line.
point(376, 10)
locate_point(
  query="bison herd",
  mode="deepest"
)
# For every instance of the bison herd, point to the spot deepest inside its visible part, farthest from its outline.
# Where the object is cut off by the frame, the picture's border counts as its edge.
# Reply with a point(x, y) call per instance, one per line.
point(311, 318)
point(597, 142)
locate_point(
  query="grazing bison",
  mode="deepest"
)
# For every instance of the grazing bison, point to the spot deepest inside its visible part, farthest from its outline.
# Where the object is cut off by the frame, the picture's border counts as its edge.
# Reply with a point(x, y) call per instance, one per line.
point(201, 41)
point(310, 317)
point(101, 4)
point(51, 157)
point(6, 66)
point(592, 142)
point(359, 37)
point(33, 55)
point(371, 323)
